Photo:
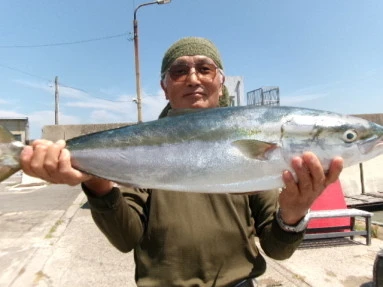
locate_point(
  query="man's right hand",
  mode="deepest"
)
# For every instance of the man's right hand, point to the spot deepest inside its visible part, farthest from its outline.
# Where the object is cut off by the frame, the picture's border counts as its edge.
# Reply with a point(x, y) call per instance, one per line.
point(51, 162)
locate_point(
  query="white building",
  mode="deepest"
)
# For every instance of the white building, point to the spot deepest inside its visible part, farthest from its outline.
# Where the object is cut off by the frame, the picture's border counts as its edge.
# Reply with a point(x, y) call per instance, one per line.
point(235, 87)
point(19, 128)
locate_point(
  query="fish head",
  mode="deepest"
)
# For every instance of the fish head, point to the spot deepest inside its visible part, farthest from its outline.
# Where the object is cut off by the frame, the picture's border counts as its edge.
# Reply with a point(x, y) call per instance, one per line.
point(331, 135)
point(370, 141)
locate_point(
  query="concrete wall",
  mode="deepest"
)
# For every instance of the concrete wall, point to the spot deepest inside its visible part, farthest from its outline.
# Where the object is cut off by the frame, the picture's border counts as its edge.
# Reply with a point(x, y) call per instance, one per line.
point(373, 177)
point(57, 132)
point(376, 118)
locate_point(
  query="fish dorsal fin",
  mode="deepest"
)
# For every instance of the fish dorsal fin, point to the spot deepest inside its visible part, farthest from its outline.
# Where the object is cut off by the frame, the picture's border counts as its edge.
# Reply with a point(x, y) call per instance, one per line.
point(254, 149)
point(178, 112)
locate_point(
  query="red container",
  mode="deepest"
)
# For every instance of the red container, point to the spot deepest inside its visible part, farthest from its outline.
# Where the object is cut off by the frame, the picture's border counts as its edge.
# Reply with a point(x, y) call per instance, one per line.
point(331, 198)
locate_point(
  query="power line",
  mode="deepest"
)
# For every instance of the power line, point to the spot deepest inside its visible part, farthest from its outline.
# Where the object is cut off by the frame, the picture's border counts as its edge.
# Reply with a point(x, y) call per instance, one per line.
point(61, 85)
point(67, 43)
point(86, 92)
point(23, 72)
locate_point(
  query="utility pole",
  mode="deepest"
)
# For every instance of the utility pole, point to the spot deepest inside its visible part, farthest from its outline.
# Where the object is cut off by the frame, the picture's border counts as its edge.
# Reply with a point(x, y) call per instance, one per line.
point(56, 101)
point(137, 64)
point(362, 178)
point(136, 55)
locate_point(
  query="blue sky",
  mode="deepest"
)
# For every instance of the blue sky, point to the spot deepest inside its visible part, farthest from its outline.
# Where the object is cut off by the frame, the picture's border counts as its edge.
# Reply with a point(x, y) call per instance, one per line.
point(322, 54)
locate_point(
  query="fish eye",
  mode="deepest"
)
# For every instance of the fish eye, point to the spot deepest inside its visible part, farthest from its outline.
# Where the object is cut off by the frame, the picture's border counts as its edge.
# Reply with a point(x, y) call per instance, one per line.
point(350, 136)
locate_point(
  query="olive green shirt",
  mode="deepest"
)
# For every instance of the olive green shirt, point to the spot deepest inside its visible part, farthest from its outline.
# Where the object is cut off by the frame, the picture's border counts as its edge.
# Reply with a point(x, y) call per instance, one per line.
point(193, 239)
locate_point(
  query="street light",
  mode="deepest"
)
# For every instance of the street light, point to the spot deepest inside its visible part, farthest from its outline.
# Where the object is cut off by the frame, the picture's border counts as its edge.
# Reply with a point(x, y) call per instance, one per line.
point(136, 57)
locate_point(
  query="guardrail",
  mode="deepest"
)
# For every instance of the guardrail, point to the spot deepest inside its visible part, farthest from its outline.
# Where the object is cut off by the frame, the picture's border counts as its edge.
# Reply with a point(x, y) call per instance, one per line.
point(340, 231)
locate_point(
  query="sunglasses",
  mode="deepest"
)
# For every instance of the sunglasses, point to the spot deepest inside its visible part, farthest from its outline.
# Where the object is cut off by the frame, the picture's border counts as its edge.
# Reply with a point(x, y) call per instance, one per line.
point(204, 71)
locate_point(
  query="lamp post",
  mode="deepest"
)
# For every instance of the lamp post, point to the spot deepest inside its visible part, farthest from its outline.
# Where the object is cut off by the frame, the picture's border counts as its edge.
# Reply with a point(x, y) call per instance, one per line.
point(136, 56)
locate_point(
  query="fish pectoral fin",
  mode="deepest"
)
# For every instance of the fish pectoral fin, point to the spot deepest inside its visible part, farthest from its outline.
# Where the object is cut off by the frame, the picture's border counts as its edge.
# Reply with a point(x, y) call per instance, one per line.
point(254, 149)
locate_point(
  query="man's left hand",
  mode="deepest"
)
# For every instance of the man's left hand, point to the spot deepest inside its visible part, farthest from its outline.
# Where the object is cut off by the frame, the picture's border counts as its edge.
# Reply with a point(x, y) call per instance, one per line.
point(298, 196)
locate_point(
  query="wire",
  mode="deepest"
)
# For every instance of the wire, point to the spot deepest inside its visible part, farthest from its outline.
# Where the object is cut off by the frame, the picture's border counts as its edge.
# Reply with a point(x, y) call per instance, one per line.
point(67, 43)
point(23, 72)
point(86, 92)
point(60, 84)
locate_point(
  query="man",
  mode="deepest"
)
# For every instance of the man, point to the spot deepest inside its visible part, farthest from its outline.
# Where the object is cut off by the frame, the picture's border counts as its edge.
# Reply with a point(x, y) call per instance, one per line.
point(183, 239)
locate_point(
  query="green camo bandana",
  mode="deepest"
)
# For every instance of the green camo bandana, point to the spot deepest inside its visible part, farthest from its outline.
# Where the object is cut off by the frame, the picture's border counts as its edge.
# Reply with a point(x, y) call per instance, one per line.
point(190, 46)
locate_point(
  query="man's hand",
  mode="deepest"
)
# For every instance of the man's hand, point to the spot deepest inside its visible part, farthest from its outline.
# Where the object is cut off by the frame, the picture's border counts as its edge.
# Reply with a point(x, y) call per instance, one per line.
point(51, 162)
point(297, 197)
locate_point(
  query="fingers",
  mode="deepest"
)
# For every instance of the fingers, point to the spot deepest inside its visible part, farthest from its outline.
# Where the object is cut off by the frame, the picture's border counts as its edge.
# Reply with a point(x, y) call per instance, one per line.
point(51, 162)
point(66, 173)
point(36, 157)
point(290, 184)
point(334, 171)
point(302, 167)
point(32, 159)
point(311, 180)
point(38, 142)
point(25, 158)
point(45, 161)
point(317, 174)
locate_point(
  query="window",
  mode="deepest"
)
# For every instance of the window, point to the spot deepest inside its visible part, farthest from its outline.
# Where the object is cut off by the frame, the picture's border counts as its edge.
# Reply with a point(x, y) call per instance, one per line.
point(17, 137)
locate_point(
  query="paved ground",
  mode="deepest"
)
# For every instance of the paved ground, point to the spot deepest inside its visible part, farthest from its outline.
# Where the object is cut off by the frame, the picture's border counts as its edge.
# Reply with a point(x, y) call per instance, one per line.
point(51, 240)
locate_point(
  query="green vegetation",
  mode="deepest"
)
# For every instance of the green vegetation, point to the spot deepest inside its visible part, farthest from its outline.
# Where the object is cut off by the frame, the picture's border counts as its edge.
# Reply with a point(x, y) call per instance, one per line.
point(53, 229)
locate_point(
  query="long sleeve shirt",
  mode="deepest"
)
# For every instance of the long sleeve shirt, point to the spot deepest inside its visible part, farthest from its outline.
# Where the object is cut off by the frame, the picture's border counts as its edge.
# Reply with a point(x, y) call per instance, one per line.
point(193, 239)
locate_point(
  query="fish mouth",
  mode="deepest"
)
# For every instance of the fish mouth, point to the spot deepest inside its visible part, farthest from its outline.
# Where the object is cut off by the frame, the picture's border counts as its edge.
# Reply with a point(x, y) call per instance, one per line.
point(379, 144)
point(371, 145)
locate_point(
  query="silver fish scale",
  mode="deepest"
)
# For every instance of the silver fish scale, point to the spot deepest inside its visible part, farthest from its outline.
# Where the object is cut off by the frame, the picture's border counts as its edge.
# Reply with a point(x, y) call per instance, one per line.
point(195, 152)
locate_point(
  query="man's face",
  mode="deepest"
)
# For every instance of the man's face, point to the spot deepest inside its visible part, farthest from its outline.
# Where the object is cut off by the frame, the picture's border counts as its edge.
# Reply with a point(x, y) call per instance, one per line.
point(193, 82)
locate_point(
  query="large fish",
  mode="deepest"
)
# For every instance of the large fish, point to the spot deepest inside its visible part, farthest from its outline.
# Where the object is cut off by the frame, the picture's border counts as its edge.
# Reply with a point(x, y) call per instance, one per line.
point(235, 149)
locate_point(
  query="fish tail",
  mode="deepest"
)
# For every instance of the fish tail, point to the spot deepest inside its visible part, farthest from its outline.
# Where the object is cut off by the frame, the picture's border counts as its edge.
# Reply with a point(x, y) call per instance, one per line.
point(10, 150)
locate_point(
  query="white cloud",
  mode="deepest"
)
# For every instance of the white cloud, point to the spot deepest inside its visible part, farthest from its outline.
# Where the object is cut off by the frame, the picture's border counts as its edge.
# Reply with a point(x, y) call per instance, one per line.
point(72, 93)
point(11, 114)
point(37, 120)
point(123, 109)
point(43, 118)
point(103, 116)
point(79, 107)
point(152, 106)
point(44, 86)
point(109, 91)
point(119, 107)
point(64, 91)
point(95, 104)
